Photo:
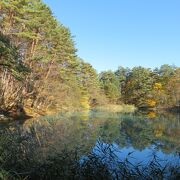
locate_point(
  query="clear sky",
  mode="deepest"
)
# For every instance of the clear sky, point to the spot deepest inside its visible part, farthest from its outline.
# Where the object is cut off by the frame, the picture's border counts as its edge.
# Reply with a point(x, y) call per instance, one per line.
point(112, 33)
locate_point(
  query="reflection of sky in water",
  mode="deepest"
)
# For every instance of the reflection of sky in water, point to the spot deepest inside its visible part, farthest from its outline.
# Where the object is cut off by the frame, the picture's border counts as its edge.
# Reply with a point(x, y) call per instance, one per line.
point(112, 155)
point(128, 130)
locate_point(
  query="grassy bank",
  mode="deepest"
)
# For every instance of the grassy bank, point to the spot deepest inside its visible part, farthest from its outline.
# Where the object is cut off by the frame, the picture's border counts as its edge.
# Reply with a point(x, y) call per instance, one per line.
point(124, 108)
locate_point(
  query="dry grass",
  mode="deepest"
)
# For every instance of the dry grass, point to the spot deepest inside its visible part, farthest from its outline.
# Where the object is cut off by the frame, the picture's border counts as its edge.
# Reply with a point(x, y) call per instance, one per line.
point(124, 108)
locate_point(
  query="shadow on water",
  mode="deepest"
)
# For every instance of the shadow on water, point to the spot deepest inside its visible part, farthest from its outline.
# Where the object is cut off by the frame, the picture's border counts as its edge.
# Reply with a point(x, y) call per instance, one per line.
point(92, 145)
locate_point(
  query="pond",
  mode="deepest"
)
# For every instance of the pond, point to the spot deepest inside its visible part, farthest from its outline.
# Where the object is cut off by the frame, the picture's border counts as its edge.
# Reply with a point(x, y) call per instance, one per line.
point(92, 145)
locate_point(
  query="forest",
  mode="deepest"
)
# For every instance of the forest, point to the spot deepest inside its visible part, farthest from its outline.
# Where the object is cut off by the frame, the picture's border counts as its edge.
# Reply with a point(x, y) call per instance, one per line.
point(61, 119)
point(40, 72)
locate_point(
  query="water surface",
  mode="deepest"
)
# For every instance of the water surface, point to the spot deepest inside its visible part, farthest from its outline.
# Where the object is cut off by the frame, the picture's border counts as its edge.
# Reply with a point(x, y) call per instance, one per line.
point(111, 137)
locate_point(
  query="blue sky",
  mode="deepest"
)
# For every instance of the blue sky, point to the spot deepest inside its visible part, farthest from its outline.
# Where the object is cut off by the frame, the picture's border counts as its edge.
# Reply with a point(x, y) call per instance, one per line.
point(112, 33)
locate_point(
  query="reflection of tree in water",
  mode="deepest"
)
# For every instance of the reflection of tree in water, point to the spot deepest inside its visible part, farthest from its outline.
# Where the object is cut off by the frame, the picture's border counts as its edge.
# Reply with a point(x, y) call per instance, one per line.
point(138, 133)
point(22, 158)
point(142, 132)
point(39, 144)
point(56, 144)
point(109, 131)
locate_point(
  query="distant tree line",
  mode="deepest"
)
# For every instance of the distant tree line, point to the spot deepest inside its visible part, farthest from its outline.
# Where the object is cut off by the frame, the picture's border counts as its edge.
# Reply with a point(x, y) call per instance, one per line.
point(143, 87)
point(40, 70)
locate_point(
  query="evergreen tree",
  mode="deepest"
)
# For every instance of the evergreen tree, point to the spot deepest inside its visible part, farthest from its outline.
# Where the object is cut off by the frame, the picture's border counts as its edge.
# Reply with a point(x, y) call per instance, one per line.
point(110, 85)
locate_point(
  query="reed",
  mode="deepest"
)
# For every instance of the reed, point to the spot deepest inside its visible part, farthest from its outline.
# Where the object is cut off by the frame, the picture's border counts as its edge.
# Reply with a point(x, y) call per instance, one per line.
point(124, 108)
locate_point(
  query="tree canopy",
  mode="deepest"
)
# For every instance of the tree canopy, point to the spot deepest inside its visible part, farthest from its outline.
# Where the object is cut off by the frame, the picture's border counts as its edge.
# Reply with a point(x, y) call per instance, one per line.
point(38, 58)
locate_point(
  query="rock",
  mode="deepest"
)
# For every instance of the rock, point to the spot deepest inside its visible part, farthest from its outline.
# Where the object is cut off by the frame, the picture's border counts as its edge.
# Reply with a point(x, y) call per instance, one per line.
point(3, 117)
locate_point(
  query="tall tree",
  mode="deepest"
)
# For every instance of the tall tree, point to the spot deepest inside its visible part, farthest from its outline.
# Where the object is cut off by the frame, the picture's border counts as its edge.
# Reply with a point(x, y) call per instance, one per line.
point(110, 85)
point(138, 86)
point(122, 75)
point(12, 75)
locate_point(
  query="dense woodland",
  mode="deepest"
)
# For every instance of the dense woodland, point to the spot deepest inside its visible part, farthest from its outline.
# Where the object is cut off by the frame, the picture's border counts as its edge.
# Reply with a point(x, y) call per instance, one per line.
point(41, 72)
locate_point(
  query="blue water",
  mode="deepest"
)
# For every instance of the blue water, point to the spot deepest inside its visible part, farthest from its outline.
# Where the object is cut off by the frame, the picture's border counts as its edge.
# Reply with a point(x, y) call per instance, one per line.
point(114, 138)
